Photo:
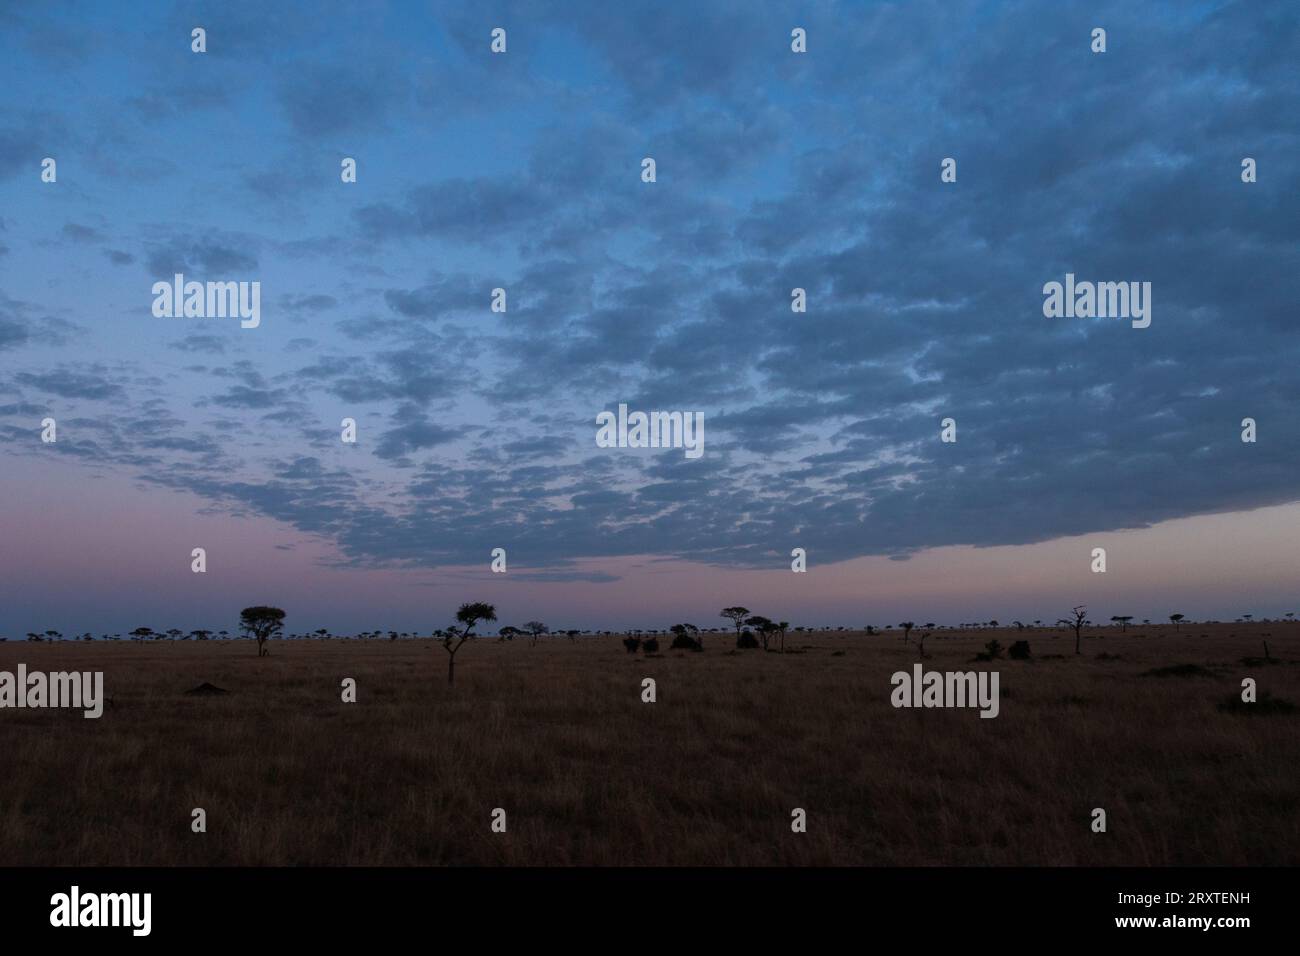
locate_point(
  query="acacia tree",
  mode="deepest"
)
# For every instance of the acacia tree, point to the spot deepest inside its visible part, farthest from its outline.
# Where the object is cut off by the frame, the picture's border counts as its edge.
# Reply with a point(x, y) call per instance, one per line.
point(467, 616)
point(1123, 621)
point(261, 623)
point(781, 628)
point(907, 629)
point(737, 615)
point(764, 626)
point(1080, 613)
point(1176, 618)
point(535, 630)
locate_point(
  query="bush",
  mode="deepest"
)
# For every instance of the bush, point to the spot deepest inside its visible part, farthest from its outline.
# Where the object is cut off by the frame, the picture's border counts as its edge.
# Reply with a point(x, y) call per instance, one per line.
point(631, 643)
point(1019, 651)
point(747, 640)
point(650, 645)
point(684, 642)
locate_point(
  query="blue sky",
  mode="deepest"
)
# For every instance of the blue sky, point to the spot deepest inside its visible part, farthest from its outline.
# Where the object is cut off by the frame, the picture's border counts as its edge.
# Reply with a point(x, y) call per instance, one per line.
point(522, 171)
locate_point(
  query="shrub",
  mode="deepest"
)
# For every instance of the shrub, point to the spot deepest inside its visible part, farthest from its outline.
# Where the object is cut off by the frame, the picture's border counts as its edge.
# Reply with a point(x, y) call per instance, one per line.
point(684, 642)
point(631, 643)
point(1019, 651)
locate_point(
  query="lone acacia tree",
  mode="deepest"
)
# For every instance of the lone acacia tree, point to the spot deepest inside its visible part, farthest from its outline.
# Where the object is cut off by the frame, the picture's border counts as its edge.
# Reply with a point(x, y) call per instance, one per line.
point(1080, 613)
point(1176, 618)
point(535, 630)
point(1123, 621)
point(261, 623)
point(737, 615)
point(467, 616)
point(907, 629)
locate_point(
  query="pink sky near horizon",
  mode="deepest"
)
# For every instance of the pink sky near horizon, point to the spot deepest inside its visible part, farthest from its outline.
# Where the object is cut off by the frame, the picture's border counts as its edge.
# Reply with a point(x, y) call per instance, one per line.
point(107, 554)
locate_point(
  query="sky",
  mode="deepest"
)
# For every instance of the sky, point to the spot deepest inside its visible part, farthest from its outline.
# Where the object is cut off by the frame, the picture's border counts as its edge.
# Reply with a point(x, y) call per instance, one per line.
point(522, 171)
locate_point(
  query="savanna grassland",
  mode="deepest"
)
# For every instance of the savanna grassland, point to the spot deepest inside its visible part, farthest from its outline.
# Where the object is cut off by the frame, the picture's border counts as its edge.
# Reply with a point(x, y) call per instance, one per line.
point(559, 737)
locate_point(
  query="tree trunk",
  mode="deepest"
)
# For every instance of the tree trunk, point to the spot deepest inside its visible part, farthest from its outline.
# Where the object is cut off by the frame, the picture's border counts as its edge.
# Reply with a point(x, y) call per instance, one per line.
point(451, 670)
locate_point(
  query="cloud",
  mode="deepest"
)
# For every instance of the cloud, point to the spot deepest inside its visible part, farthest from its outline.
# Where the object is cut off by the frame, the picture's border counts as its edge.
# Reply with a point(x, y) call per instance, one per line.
point(79, 233)
point(414, 433)
point(70, 382)
point(211, 344)
point(201, 257)
point(776, 171)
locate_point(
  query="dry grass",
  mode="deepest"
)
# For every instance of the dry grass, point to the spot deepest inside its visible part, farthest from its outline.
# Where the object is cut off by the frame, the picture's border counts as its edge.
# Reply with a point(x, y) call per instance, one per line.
point(588, 774)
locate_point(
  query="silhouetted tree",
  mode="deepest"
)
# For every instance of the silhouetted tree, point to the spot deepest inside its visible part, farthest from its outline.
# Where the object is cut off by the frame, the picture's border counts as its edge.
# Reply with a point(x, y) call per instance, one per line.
point(261, 623)
point(1177, 619)
point(781, 628)
point(737, 615)
point(535, 630)
point(764, 626)
point(907, 630)
point(1080, 613)
point(467, 617)
point(1123, 621)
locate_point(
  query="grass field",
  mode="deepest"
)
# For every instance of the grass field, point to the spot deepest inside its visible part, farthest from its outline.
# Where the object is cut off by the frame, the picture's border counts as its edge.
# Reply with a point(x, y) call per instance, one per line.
point(558, 736)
